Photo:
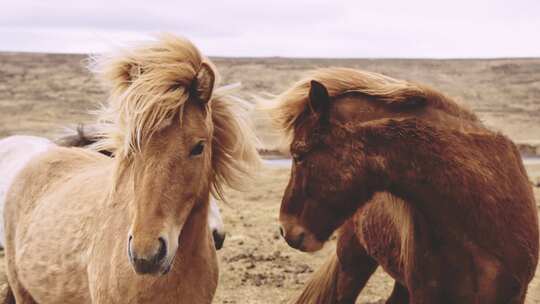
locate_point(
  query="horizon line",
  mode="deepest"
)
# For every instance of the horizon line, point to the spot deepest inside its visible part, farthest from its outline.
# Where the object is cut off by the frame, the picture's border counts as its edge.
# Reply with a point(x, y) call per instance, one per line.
point(297, 57)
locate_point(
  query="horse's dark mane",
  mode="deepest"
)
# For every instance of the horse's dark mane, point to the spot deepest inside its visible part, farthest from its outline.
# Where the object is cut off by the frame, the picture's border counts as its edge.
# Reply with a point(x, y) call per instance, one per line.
point(83, 137)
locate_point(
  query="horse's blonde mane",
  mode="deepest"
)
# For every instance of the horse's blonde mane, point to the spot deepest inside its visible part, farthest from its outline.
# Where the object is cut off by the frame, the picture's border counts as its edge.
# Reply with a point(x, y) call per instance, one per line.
point(148, 86)
point(289, 106)
point(234, 143)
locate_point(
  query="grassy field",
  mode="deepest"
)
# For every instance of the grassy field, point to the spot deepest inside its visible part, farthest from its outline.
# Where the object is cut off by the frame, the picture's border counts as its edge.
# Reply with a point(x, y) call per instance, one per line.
point(40, 94)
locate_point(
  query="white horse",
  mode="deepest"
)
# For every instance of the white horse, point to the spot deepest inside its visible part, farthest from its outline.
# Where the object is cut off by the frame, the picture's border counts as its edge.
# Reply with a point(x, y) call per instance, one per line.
point(16, 151)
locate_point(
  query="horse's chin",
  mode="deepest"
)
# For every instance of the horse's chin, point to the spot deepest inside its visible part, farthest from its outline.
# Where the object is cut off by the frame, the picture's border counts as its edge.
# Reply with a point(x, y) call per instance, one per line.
point(168, 265)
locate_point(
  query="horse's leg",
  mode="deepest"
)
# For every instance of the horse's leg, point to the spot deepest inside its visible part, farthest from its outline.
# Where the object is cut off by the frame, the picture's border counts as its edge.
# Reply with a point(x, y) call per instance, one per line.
point(400, 295)
point(17, 293)
point(351, 281)
point(10, 298)
point(355, 265)
point(343, 275)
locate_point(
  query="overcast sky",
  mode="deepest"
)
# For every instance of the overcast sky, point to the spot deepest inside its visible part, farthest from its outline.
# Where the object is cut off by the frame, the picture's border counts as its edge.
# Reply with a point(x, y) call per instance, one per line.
point(306, 28)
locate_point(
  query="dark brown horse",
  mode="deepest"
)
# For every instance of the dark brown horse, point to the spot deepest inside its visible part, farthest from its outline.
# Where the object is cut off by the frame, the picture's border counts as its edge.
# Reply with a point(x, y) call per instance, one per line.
point(458, 222)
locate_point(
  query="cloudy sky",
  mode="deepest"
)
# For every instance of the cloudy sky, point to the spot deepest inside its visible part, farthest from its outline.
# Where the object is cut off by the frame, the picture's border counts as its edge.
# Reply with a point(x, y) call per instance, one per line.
point(298, 28)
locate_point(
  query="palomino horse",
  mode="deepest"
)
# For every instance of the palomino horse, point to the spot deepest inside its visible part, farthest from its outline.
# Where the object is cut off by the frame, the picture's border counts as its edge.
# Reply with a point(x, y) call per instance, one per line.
point(466, 230)
point(17, 151)
point(85, 228)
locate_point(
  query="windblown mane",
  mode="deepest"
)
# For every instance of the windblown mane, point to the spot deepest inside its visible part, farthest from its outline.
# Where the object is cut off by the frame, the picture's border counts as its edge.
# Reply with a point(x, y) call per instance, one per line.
point(290, 105)
point(234, 145)
point(148, 86)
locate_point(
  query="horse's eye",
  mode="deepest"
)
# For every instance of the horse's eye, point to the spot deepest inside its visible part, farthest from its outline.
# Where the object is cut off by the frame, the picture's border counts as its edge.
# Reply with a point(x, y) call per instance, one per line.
point(198, 149)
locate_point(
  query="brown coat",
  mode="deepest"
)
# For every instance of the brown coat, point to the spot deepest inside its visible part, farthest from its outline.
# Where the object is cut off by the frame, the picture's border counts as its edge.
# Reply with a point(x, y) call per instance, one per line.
point(466, 227)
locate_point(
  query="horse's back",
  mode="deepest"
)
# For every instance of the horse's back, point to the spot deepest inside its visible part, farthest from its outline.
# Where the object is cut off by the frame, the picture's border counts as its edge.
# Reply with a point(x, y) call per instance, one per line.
point(46, 174)
point(47, 165)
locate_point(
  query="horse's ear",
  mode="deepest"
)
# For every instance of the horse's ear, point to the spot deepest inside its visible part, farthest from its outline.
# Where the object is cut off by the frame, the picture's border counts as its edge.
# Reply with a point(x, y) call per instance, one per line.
point(319, 100)
point(203, 85)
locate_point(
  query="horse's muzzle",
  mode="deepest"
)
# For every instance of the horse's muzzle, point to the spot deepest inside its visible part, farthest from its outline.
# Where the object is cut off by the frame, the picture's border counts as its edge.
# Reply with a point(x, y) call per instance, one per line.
point(299, 238)
point(295, 242)
point(155, 264)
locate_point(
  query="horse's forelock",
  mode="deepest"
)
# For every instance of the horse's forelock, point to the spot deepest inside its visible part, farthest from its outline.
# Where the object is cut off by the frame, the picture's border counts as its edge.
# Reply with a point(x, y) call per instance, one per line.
point(148, 85)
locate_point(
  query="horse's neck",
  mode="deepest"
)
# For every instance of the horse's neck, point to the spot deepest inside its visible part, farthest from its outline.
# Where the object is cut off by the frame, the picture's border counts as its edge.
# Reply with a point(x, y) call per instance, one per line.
point(413, 152)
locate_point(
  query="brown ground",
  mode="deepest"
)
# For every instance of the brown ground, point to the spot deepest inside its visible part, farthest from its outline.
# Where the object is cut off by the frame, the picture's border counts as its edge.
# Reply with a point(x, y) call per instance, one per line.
point(40, 94)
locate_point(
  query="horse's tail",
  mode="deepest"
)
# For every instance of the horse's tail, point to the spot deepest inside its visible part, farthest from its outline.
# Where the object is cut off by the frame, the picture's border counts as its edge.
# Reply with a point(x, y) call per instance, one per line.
point(322, 286)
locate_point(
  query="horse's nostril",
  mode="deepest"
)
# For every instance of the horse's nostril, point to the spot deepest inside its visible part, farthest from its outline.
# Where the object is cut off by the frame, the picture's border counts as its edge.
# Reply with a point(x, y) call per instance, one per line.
point(130, 254)
point(281, 231)
point(162, 249)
